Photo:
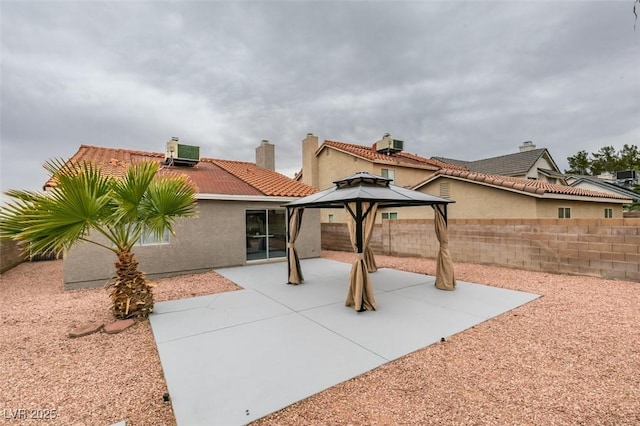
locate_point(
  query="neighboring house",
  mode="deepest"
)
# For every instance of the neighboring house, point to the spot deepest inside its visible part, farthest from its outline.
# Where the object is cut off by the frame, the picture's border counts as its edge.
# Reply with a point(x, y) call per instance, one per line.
point(482, 195)
point(240, 218)
point(529, 163)
point(593, 183)
point(322, 165)
point(527, 184)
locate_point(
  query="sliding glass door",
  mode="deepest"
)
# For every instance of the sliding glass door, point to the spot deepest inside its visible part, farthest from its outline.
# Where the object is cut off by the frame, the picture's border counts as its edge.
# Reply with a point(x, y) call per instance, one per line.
point(266, 234)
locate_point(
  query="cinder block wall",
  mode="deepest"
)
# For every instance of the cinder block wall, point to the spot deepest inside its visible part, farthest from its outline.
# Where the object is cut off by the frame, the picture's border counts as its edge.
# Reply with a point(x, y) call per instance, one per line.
point(607, 248)
point(10, 255)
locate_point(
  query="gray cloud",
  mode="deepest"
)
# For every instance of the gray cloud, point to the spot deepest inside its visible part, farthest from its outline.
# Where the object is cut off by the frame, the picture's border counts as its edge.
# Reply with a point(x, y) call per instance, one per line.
point(459, 79)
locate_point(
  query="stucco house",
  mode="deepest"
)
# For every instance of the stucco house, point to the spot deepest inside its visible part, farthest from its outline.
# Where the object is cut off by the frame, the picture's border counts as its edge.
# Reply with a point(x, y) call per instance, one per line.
point(332, 160)
point(483, 195)
point(526, 184)
point(240, 217)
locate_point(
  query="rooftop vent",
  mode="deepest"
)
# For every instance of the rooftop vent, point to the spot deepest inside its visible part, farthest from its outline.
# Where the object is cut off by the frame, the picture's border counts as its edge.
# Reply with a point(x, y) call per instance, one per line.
point(388, 145)
point(181, 155)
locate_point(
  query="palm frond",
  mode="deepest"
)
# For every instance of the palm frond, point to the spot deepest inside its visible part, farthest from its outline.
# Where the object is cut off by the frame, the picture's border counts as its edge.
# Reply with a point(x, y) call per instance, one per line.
point(130, 190)
point(169, 197)
point(55, 220)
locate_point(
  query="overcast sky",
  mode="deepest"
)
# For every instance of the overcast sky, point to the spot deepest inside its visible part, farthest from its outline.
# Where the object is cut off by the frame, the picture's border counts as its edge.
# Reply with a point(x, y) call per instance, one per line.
point(465, 80)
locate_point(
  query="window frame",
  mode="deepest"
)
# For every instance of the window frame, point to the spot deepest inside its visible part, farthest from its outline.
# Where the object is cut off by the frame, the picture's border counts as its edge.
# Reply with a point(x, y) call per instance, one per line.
point(390, 174)
point(148, 239)
point(564, 212)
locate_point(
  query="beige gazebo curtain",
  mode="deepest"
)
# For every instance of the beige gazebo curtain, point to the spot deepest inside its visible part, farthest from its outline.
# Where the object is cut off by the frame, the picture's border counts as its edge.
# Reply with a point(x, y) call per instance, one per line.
point(445, 279)
point(369, 222)
point(360, 295)
point(295, 223)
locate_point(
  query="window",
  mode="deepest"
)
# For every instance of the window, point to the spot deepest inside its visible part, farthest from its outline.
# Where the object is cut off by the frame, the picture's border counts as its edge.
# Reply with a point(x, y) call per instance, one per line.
point(564, 212)
point(608, 213)
point(149, 239)
point(330, 218)
point(391, 215)
point(445, 191)
point(389, 174)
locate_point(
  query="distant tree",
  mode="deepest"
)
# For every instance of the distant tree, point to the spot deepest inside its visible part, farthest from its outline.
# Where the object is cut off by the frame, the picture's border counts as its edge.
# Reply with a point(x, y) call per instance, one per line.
point(606, 159)
point(629, 157)
point(579, 163)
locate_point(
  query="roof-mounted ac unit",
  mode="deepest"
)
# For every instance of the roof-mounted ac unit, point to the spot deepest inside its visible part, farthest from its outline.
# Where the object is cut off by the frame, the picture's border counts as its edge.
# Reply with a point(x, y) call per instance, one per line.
point(389, 145)
point(178, 154)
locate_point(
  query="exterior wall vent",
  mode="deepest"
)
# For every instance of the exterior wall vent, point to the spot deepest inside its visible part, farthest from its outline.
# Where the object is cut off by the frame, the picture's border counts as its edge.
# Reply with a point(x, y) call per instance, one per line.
point(178, 154)
point(388, 145)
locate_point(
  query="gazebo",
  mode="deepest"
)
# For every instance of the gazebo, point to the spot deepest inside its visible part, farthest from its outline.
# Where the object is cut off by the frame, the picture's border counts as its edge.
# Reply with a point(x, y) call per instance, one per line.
point(361, 194)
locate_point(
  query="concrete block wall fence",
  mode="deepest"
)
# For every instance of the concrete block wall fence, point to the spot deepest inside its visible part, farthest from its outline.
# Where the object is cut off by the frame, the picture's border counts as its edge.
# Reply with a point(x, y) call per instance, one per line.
point(607, 248)
point(10, 255)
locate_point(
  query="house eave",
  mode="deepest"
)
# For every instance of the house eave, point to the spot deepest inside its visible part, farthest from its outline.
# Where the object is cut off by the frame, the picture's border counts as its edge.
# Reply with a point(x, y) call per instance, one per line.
point(549, 195)
point(545, 195)
point(250, 198)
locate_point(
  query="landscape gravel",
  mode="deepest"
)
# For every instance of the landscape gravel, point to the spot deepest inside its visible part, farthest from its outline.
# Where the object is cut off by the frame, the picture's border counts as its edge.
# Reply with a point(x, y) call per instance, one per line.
point(569, 357)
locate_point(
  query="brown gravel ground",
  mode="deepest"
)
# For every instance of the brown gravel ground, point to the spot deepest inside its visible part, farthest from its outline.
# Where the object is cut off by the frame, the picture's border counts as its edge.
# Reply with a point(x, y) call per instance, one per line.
point(569, 357)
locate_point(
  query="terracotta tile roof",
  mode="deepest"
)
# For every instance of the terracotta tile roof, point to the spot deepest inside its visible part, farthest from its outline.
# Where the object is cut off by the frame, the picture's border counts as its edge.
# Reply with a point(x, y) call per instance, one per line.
point(515, 164)
point(268, 182)
point(524, 185)
point(400, 158)
point(210, 176)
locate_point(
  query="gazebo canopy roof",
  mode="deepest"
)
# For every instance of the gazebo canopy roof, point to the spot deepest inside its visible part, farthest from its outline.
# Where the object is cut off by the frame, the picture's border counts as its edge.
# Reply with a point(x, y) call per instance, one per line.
point(363, 187)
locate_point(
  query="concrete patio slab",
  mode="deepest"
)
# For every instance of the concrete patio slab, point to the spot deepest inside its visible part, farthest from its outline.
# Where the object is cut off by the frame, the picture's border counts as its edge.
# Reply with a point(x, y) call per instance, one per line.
point(234, 357)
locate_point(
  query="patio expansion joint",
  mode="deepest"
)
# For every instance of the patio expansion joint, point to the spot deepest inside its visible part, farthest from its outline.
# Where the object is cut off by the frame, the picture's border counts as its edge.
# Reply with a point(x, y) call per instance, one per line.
point(393, 290)
point(240, 324)
point(301, 313)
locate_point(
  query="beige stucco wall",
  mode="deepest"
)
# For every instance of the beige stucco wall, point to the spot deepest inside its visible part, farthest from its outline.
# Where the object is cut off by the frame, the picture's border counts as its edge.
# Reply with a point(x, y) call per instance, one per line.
point(476, 201)
point(479, 201)
point(548, 209)
point(333, 165)
point(216, 238)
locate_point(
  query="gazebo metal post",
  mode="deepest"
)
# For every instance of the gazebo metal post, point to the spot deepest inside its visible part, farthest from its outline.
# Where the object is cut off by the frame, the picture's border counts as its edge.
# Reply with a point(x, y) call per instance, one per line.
point(442, 211)
point(358, 219)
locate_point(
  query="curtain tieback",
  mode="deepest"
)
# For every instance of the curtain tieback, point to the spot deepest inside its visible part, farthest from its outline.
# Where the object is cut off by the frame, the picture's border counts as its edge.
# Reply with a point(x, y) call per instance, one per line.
point(290, 245)
point(359, 256)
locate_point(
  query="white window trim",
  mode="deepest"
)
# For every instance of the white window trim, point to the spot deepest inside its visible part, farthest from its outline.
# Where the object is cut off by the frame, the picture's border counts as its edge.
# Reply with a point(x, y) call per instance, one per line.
point(153, 241)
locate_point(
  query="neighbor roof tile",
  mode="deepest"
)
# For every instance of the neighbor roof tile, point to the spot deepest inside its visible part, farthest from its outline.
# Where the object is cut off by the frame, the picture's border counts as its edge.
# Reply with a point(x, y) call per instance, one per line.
point(526, 185)
point(400, 158)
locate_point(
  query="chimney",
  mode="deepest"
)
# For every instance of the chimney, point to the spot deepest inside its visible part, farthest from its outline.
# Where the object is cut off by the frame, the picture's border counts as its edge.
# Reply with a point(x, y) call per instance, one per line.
point(265, 155)
point(310, 161)
point(527, 146)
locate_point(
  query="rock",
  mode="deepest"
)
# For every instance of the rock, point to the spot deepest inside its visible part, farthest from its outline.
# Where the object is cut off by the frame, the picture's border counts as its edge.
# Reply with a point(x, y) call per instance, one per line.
point(86, 330)
point(118, 326)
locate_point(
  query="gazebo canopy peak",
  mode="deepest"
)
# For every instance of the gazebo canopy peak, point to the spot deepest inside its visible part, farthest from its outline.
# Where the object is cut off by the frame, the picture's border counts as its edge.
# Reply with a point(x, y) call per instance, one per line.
point(362, 178)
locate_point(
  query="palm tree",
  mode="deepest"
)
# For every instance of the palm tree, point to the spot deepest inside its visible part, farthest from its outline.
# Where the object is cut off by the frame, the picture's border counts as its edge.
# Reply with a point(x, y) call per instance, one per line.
point(87, 205)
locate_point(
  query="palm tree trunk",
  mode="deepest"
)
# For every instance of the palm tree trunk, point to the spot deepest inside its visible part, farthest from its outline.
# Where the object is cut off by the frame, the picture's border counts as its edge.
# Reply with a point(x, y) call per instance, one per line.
point(131, 295)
